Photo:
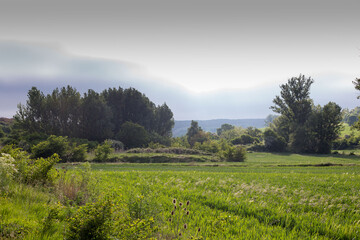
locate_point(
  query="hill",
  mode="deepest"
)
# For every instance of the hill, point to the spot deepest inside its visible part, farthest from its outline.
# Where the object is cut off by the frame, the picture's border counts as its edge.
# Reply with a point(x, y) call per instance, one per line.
point(181, 127)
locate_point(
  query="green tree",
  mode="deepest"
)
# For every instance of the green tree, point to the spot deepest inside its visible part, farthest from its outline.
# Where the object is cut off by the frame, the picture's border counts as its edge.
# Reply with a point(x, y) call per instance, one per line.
point(103, 151)
point(30, 117)
point(95, 118)
point(224, 127)
point(196, 134)
point(133, 135)
point(323, 128)
point(273, 141)
point(294, 104)
point(164, 120)
point(115, 100)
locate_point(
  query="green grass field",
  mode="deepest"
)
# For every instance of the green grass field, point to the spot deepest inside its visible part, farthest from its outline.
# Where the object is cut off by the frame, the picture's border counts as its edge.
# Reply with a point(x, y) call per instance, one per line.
point(269, 196)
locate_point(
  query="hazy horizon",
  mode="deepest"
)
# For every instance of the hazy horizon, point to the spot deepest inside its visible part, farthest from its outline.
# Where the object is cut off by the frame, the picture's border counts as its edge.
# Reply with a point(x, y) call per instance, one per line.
point(205, 59)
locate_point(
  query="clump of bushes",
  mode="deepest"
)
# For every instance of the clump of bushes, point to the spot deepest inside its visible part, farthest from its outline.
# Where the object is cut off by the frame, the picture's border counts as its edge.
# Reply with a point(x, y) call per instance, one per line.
point(26, 170)
point(68, 152)
point(102, 152)
point(92, 221)
point(7, 169)
point(233, 154)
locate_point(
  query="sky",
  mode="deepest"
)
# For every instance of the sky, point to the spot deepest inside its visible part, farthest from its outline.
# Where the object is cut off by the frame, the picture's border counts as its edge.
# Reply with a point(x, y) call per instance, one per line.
point(206, 59)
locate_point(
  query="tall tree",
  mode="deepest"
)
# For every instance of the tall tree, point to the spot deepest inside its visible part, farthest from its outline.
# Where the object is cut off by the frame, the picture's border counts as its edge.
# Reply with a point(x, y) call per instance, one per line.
point(95, 119)
point(164, 120)
point(30, 117)
point(294, 104)
point(323, 127)
point(115, 100)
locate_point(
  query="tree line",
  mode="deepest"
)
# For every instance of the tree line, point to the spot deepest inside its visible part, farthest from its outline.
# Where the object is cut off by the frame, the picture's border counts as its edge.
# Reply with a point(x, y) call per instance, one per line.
point(114, 113)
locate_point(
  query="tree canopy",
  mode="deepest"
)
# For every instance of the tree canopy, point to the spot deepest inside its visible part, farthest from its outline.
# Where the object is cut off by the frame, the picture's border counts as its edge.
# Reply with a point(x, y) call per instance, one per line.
point(304, 127)
point(94, 116)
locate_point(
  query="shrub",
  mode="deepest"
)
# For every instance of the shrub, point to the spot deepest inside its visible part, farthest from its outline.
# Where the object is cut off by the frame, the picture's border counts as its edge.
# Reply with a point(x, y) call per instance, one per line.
point(93, 221)
point(78, 153)
point(116, 145)
point(54, 144)
point(244, 139)
point(274, 142)
point(22, 161)
point(133, 135)
point(103, 151)
point(234, 154)
point(61, 146)
point(7, 169)
point(39, 169)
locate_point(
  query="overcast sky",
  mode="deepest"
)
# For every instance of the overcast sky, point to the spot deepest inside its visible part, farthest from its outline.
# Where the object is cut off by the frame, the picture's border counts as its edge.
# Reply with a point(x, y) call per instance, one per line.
point(206, 59)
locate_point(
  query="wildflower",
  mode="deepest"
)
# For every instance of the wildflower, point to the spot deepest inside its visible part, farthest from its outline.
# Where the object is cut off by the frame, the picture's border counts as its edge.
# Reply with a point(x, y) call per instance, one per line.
point(187, 213)
point(180, 204)
point(174, 201)
point(172, 213)
point(188, 203)
point(185, 209)
point(180, 234)
point(185, 226)
point(175, 207)
point(198, 229)
point(169, 219)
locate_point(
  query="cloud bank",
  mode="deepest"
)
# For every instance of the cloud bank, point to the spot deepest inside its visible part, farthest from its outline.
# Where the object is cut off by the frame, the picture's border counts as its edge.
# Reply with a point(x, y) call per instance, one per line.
point(23, 65)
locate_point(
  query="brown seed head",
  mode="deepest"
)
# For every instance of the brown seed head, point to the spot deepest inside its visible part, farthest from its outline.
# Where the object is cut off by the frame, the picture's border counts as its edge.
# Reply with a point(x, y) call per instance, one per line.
point(180, 234)
point(187, 213)
point(175, 207)
point(169, 219)
point(180, 204)
point(188, 203)
point(172, 213)
point(198, 229)
point(174, 201)
point(185, 226)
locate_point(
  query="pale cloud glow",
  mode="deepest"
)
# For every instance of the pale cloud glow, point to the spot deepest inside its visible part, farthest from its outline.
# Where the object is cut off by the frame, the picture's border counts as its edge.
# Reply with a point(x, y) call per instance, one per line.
point(205, 58)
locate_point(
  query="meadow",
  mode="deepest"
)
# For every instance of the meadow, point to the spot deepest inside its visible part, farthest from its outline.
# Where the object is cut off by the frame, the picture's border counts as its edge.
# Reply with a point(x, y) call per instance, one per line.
point(269, 196)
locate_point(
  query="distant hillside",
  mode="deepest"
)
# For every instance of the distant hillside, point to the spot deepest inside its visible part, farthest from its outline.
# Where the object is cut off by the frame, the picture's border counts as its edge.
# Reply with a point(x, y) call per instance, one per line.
point(181, 127)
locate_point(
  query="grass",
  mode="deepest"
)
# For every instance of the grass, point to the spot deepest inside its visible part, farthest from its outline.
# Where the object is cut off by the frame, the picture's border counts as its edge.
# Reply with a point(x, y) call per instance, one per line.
point(269, 196)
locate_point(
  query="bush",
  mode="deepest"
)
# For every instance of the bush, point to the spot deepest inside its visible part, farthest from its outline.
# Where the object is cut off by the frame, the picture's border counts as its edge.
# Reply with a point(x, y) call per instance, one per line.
point(208, 146)
point(54, 144)
point(244, 139)
point(38, 171)
point(93, 221)
point(60, 145)
point(274, 142)
point(103, 151)
point(7, 169)
point(234, 154)
point(31, 171)
point(78, 153)
point(133, 135)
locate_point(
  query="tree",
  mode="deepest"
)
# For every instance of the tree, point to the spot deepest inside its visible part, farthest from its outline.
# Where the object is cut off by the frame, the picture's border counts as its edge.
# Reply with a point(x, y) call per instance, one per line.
point(164, 120)
point(274, 142)
point(224, 127)
point(133, 135)
point(323, 128)
point(294, 105)
point(270, 119)
point(195, 134)
point(95, 118)
point(115, 100)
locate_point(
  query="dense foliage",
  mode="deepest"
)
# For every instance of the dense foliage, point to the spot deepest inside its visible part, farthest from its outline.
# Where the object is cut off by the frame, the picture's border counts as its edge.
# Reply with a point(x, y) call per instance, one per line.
point(305, 127)
point(93, 116)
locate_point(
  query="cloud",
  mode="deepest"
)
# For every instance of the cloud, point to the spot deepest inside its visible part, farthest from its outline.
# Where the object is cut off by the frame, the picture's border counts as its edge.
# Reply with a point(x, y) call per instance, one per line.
point(23, 65)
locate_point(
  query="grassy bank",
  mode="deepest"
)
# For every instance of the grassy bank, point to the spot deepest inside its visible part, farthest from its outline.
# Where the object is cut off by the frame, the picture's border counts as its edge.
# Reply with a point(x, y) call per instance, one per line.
point(270, 196)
